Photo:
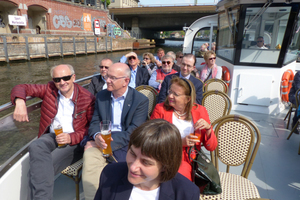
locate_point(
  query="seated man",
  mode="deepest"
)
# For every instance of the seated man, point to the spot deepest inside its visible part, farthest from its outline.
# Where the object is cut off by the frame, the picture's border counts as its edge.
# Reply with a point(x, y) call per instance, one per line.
point(139, 75)
point(126, 108)
point(160, 54)
point(98, 82)
point(65, 103)
point(259, 43)
point(187, 66)
point(174, 66)
point(292, 97)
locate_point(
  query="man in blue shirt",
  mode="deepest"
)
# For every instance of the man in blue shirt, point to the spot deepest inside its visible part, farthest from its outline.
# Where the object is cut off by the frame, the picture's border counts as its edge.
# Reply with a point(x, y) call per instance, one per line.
point(126, 108)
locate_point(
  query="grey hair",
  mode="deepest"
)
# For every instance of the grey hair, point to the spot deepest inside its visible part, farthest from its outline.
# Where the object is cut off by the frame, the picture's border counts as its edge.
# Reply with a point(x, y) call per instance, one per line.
point(104, 59)
point(167, 56)
point(171, 53)
point(68, 65)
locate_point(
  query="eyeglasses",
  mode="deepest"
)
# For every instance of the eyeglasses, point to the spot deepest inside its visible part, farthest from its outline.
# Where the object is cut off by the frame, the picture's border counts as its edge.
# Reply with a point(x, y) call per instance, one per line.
point(146, 58)
point(166, 62)
point(259, 41)
point(101, 67)
point(113, 78)
point(176, 95)
point(180, 56)
point(131, 58)
point(65, 78)
point(212, 58)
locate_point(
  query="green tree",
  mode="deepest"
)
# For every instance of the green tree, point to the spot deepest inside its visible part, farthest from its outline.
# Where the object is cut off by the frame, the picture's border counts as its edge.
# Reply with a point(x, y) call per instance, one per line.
point(107, 2)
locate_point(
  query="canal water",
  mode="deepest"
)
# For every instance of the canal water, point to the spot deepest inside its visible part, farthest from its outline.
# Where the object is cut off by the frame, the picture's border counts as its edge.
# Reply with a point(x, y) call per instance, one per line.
point(14, 135)
point(38, 71)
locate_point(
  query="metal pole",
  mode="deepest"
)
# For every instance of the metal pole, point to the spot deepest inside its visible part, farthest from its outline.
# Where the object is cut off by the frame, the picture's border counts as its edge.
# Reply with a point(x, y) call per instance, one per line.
point(123, 25)
point(95, 44)
point(74, 46)
point(5, 48)
point(111, 47)
point(18, 29)
point(27, 48)
point(46, 47)
point(85, 45)
point(61, 47)
point(106, 44)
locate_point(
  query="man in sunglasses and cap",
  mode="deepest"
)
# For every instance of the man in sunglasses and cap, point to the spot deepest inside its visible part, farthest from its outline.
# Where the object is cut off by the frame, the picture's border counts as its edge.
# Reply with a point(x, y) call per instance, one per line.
point(259, 43)
point(139, 75)
point(98, 82)
point(65, 105)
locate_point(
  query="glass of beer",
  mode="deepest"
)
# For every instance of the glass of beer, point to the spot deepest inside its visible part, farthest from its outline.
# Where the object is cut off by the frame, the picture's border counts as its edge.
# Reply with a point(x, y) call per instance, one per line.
point(58, 130)
point(105, 128)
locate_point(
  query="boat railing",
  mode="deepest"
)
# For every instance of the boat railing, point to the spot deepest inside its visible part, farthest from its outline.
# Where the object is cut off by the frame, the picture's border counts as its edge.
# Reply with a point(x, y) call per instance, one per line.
point(7, 122)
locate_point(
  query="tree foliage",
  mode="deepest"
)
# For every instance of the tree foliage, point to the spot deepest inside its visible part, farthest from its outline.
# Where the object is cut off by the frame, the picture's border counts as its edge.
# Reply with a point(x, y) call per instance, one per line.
point(107, 2)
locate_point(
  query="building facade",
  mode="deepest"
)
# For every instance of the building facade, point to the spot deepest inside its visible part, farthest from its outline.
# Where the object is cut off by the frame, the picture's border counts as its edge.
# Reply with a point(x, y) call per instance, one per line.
point(123, 3)
point(54, 17)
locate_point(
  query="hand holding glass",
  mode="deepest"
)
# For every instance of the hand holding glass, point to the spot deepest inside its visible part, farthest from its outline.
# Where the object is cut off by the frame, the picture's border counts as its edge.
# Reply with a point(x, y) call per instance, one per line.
point(105, 128)
point(58, 130)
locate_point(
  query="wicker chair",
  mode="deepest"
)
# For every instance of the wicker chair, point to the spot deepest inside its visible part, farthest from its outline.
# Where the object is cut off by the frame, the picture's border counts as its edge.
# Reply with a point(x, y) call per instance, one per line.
point(73, 172)
point(238, 143)
point(217, 104)
point(215, 84)
point(151, 94)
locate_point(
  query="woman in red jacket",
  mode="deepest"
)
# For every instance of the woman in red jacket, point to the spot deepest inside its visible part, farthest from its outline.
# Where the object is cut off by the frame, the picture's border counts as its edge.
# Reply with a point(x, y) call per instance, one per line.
point(181, 110)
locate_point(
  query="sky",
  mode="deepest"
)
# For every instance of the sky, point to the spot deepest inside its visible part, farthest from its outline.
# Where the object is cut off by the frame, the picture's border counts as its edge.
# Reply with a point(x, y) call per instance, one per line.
point(173, 2)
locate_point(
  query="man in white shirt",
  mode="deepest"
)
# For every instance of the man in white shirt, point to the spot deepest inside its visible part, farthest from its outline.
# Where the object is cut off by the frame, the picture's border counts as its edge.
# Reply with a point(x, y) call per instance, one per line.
point(126, 108)
point(65, 103)
point(259, 43)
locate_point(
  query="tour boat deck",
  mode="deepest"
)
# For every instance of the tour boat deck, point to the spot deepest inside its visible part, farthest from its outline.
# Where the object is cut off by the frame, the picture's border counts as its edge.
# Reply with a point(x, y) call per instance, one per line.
point(275, 171)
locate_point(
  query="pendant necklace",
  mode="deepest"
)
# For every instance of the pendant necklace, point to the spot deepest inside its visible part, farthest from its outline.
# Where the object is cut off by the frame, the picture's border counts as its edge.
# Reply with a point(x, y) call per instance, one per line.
point(179, 115)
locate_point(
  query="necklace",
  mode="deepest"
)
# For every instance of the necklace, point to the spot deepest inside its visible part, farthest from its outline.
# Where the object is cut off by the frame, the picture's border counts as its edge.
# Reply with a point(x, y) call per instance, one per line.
point(179, 115)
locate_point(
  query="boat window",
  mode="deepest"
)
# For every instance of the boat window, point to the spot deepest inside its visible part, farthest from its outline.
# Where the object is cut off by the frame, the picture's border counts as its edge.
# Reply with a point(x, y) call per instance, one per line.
point(228, 23)
point(292, 52)
point(201, 41)
point(263, 34)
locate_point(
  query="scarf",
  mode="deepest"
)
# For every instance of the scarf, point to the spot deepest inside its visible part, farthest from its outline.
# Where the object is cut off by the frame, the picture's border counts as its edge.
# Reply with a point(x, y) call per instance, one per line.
point(204, 72)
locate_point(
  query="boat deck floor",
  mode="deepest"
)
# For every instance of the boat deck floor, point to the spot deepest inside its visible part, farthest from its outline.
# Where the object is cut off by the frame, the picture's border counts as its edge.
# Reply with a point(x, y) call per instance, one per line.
point(276, 168)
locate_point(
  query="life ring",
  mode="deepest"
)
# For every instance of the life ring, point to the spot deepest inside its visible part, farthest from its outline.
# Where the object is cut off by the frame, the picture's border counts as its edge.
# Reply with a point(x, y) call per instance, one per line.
point(226, 75)
point(286, 84)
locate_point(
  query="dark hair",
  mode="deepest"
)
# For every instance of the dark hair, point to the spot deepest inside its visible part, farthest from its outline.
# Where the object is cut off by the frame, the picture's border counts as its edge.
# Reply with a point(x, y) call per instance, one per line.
point(160, 140)
point(189, 91)
point(259, 37)
point(189, 55)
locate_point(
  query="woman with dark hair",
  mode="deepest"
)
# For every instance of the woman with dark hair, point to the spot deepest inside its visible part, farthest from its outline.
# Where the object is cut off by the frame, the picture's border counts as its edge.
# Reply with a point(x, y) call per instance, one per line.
point(181, 110)
point(150, 170)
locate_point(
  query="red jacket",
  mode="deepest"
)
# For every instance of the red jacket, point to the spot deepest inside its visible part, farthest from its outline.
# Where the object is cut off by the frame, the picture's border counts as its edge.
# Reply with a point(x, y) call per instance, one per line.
point(83, 101)
point(210, 143)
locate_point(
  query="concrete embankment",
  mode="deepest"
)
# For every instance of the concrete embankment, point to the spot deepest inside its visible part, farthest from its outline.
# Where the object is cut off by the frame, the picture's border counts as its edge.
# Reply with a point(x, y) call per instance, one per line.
point(27, 47)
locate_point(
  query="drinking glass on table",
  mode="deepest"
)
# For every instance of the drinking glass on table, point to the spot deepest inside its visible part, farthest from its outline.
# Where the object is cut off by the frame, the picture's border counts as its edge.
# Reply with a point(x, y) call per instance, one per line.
point(105, 128)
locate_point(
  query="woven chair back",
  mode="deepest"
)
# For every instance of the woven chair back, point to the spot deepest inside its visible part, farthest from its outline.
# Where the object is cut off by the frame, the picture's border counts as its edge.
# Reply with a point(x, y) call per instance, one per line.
point(151, 94)
point(215, 84)
point(238, 142)
point(217, 104)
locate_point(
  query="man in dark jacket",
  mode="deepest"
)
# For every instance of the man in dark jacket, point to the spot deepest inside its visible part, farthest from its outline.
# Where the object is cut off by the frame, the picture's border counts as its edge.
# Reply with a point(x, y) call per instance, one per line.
point(292, 97)
point(66, 105)
point(98, 82)
point(139, 75)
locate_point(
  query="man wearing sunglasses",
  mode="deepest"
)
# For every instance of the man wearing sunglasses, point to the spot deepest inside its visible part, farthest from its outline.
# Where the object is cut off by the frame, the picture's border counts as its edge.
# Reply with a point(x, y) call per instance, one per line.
point(98, 82)
point(139, 75)
point(127, 109)
point(259, 43)
point(186, 67)
point(65, 103)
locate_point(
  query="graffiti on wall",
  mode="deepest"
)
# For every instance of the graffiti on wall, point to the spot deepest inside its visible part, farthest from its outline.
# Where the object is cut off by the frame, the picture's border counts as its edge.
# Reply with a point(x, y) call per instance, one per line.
point(65, 22)
point(114, 31)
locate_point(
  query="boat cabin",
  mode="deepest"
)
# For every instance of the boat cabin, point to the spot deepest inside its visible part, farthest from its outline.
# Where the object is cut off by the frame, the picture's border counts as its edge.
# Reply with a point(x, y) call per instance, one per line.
point(257, 41)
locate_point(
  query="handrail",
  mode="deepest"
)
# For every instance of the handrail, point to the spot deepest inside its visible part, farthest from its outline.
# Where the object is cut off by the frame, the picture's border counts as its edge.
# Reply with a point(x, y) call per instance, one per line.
point(9, 104)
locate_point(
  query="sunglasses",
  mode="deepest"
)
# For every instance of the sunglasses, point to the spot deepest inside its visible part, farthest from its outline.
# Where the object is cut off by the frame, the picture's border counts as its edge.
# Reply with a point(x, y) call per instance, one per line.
point(180, 57)
point(212, 58)
point(259, 41)
point(131, 58)
point(65, 78)
point(101, 67)
point(146, 58)
point(166, 62)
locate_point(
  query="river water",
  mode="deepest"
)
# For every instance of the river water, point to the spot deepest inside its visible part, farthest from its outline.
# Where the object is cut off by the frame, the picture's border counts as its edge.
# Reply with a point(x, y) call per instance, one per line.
point(38, 71)
point(14, 135)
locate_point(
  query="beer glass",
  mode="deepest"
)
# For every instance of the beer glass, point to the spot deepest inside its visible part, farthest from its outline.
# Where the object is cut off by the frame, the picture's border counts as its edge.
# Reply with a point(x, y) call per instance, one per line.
point(58, 130)
point(105, 128)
